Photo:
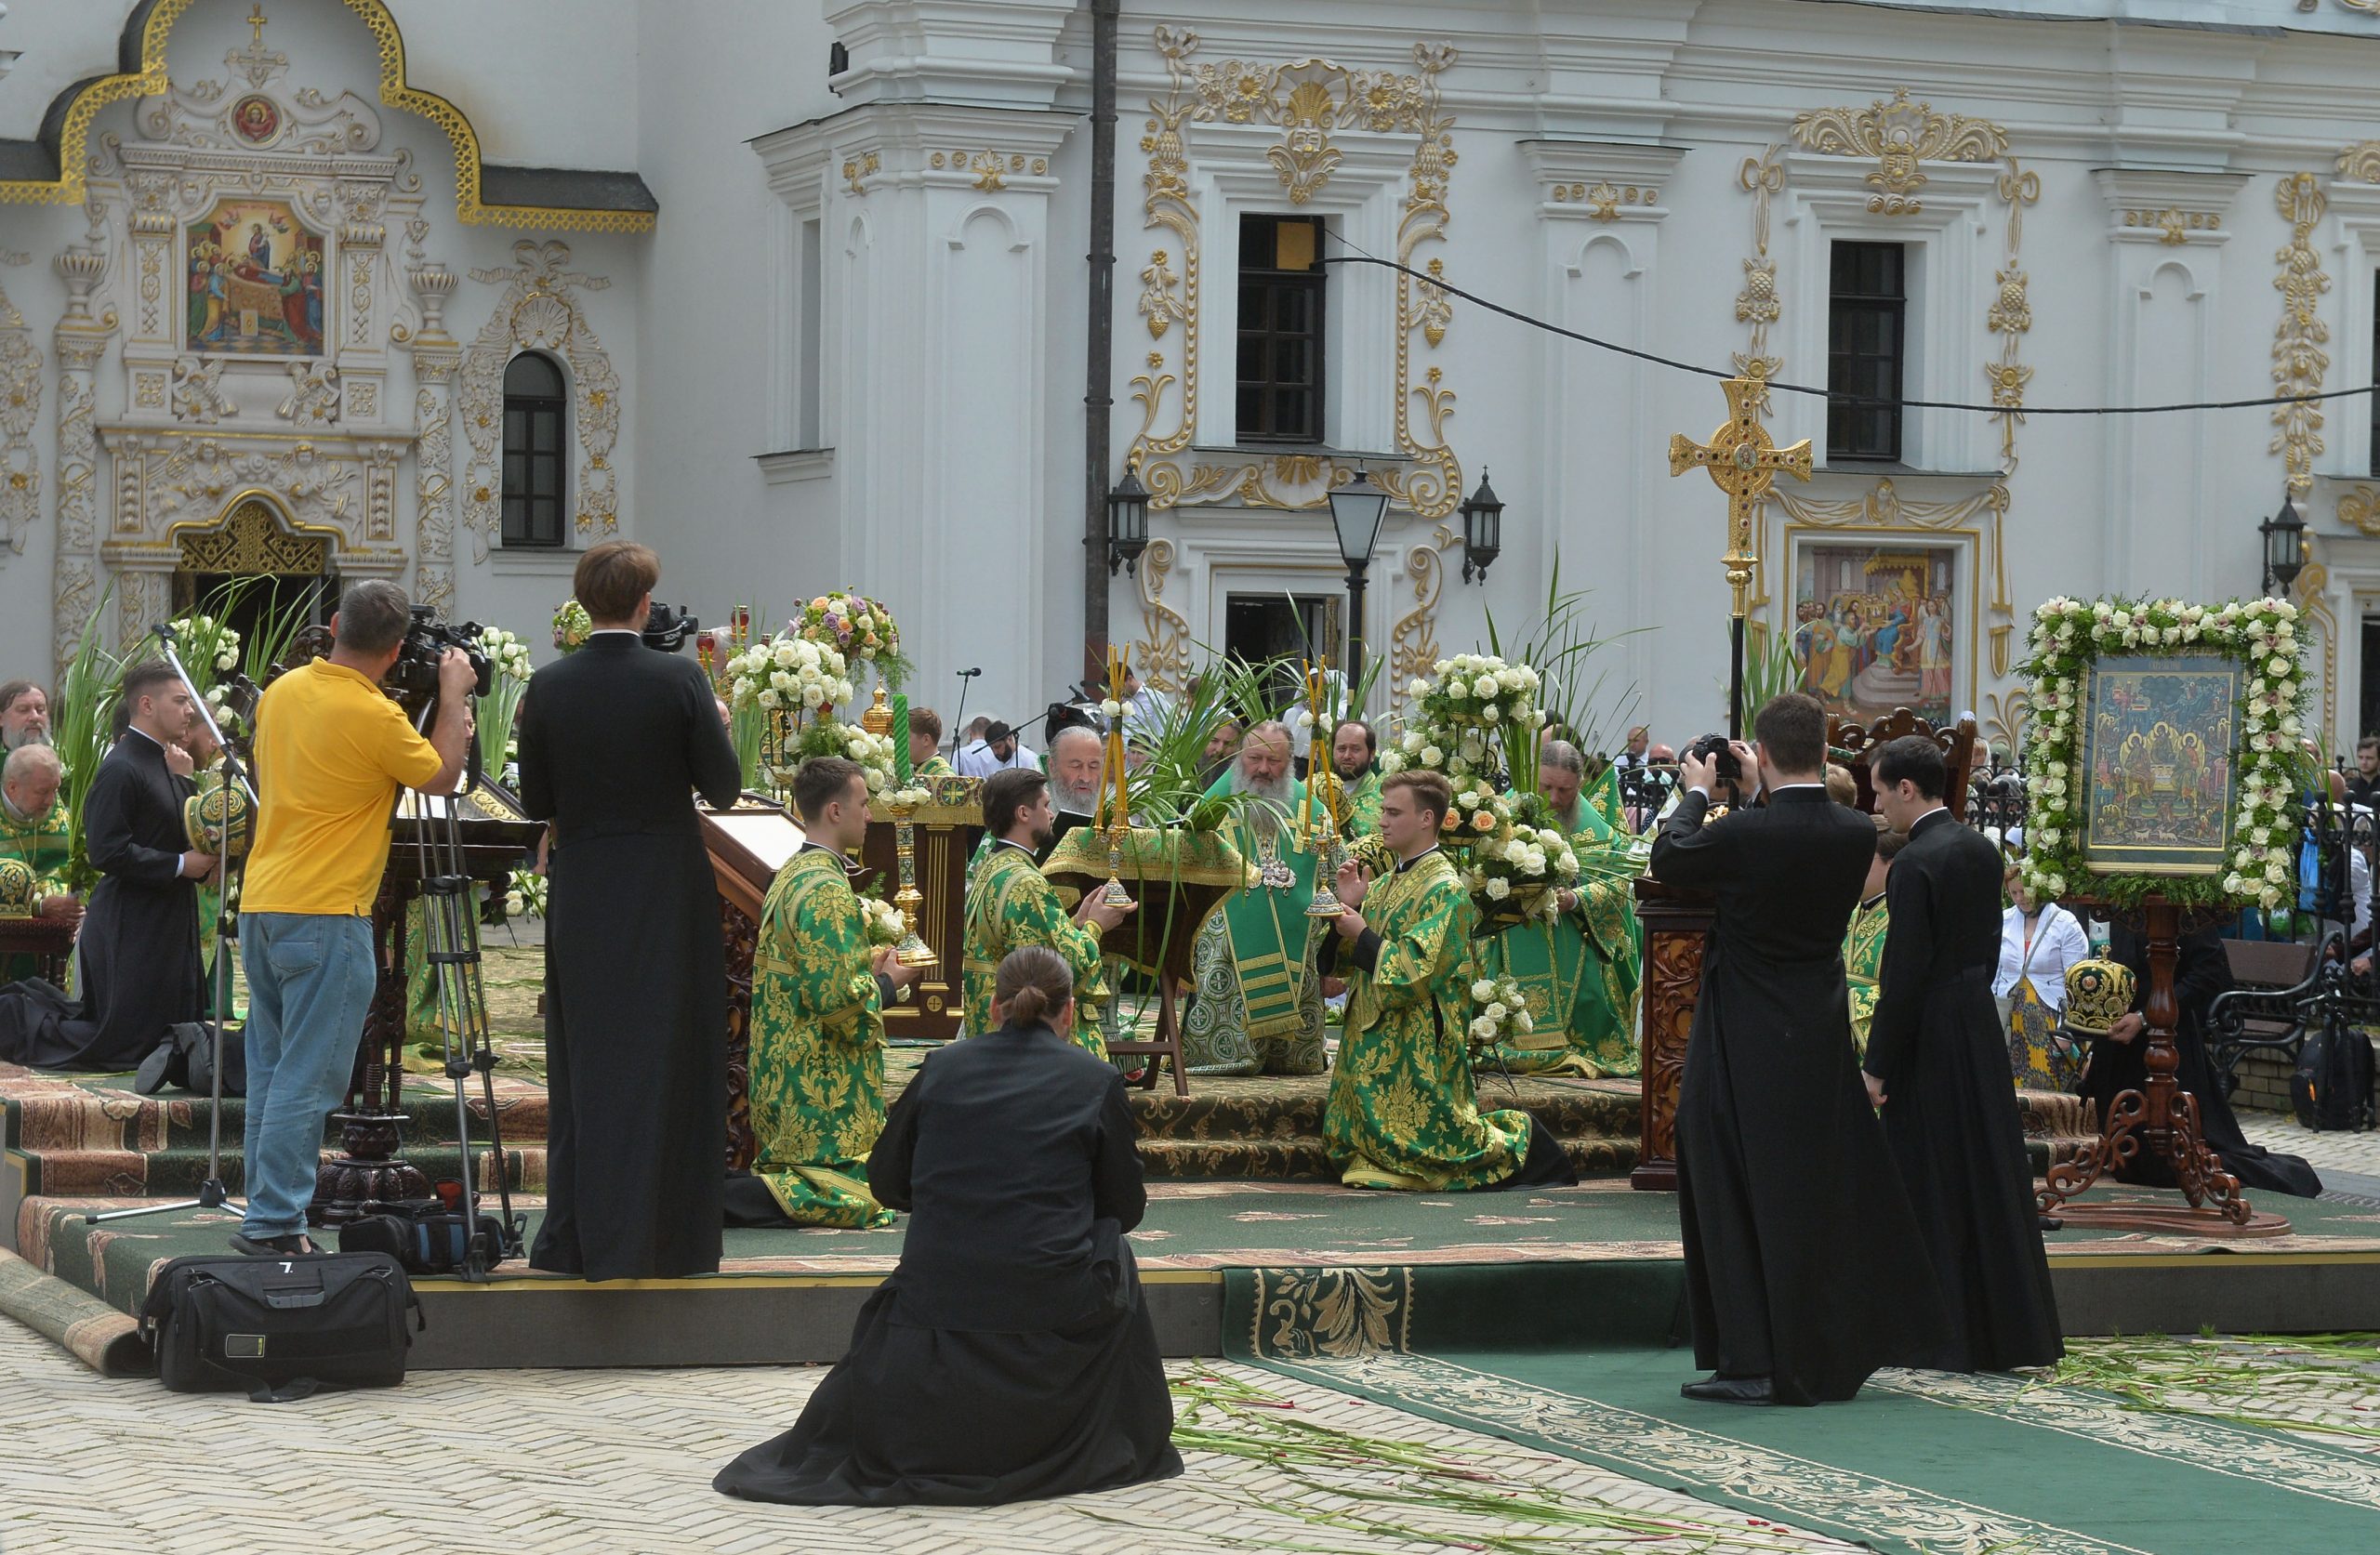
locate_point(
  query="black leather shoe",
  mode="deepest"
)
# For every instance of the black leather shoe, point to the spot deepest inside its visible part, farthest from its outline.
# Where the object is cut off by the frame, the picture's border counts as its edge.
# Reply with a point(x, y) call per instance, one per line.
point(1730, 1390)
point(294, 1245)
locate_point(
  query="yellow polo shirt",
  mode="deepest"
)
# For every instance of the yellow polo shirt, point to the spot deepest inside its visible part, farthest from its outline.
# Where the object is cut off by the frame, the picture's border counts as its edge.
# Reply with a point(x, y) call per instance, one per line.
point(331, 752)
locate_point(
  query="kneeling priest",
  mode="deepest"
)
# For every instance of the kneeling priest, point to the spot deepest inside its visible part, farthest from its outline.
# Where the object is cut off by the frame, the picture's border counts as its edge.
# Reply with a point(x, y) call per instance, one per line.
point(1404, 1112)
point(1010, 903)
point(818, 1050)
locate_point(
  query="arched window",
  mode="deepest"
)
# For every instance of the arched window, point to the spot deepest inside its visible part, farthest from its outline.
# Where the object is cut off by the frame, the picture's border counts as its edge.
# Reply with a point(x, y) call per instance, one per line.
point(536, 411)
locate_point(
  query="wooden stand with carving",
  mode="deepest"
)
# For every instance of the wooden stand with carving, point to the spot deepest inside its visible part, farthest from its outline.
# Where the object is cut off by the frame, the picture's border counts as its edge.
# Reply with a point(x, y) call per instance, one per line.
point(2160, 1117)
point(1677, 933)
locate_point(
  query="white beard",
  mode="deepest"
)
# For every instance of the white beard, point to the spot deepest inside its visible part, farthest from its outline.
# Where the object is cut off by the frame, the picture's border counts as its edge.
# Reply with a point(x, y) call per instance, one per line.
point(1073, 801)
point(1264, 819)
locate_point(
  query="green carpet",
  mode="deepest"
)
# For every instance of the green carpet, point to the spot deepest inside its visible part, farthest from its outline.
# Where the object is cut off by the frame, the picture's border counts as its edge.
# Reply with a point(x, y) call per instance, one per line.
point(1923, 1463)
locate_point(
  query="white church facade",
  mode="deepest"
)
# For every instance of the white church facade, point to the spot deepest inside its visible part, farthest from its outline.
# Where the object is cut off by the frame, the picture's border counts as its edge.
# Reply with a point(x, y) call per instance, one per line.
point(798, 294)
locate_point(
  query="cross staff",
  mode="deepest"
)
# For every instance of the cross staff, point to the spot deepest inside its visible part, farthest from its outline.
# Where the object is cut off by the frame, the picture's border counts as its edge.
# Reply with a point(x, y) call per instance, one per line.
point(1742, 462)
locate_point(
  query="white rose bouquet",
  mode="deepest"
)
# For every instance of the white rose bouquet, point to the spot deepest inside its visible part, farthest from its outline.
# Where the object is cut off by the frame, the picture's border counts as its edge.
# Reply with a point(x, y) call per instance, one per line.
point(885, 922)
point(499, 709)
point(1500, 1015)
point(1469, 715)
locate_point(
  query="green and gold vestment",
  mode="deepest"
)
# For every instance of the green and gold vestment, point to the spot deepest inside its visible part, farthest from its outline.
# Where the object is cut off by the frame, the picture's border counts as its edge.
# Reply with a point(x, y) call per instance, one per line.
point(42, 843)
point(1009, 903)
point(1581, 969)
point(1863, 956)
point(1363, 806)
point(1258, 1004)
point(817, 1053)
point(1404, 1112)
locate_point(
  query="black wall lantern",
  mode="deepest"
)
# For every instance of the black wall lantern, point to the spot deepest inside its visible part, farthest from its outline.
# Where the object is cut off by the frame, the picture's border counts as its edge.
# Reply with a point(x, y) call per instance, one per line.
point(2284, 537)
point(1483, 530)
point(1128, 523)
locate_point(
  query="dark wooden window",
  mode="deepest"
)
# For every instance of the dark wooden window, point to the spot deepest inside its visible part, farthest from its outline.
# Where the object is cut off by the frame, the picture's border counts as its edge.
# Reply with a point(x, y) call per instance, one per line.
point(536, 411)
point(1867, 350)
point(1280, 328)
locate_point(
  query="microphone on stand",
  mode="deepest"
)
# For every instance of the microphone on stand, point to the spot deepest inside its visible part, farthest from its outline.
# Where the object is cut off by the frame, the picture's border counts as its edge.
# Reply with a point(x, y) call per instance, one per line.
point(959, 721)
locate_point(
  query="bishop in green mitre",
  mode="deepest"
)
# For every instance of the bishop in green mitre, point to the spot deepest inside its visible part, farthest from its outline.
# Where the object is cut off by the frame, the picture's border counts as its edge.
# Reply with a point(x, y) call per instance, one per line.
point(1403, 1111)
point(1257, 1003)
point(1863, 942)
point(1010, 903)
point(34, 832)
point(817, 1032)
point(1581, 968)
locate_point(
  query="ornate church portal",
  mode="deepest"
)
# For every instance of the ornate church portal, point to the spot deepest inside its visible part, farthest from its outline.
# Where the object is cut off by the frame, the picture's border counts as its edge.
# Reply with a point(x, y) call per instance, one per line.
point(255, 567)
point(254, 375)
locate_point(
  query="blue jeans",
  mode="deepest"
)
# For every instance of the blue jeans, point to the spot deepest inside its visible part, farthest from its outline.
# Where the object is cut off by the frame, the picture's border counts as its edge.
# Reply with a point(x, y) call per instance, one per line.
point(310, 982)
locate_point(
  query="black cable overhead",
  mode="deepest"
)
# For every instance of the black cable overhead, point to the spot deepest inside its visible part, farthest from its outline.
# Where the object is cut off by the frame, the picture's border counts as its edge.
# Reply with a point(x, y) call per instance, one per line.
point(1359, 258)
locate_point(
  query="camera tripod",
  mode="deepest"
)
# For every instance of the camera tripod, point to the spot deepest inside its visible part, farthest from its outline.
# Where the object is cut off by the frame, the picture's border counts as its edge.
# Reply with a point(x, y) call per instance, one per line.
point(238, 833)
point(450, 951)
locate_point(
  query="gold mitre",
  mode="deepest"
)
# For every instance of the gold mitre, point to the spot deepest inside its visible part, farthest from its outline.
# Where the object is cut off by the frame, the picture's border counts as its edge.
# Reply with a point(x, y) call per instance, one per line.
point(17, 889)
point(219, 820)
point(2098, 993)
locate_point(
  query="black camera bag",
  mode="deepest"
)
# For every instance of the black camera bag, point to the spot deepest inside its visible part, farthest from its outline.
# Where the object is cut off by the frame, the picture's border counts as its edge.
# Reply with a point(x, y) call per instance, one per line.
point(279, 1327)
point(2333, 1086)
point(422, 1234)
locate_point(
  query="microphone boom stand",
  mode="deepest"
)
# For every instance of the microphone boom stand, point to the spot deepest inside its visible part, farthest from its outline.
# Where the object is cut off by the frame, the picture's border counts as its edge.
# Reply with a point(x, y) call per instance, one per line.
point(212, 1193)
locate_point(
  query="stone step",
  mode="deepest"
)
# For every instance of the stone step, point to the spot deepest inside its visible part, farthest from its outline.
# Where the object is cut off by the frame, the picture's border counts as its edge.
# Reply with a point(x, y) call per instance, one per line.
point(177, 1172)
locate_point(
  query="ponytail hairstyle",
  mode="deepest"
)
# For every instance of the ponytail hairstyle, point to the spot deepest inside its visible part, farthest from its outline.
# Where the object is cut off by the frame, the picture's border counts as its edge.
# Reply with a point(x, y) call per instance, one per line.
point(1033, 986)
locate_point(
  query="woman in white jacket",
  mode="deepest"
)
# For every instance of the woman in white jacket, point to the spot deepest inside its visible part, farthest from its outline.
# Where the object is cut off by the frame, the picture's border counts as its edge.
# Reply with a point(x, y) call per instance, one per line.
point(2038, 941)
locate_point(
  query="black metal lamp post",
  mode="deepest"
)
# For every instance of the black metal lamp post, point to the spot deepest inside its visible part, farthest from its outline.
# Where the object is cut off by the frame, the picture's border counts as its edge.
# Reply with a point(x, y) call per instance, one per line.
point(1483, 530)
point(2284, 537)
point(1357, 509)
point(1128, 523)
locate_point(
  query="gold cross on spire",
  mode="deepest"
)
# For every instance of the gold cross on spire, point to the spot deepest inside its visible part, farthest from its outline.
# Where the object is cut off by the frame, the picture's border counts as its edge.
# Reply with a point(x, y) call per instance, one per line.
point(1743, 463)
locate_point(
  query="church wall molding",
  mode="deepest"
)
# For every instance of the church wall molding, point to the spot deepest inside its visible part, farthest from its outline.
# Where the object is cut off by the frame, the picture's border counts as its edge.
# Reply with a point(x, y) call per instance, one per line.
point(52, 169)
point(21, 397)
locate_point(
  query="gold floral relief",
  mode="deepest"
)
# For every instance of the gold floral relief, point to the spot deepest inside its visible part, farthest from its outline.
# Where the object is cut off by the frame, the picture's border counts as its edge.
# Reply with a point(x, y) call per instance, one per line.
point(2299, 361)
point(2360, 509)
point(2361, 161)
point(1901, 136)
point(1310, 101)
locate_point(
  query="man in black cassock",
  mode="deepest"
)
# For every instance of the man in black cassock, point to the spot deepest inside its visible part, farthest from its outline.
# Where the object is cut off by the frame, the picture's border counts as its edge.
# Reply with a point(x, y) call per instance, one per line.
point(2119, 1062)
point(1805, 1270)
point(1938, 1064)
point(138, 943)
point(614, 740)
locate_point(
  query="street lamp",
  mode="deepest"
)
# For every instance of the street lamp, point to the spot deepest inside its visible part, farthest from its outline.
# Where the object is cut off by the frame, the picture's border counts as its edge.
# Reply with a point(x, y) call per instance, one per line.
point(1483, 530)
point(1128, 523)
point(2284, 537)
point(1357, 509)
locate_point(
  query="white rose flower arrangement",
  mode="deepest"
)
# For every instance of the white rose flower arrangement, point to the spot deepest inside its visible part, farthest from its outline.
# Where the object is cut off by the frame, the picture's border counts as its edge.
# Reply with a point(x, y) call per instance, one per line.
point(2068, 635)
point(1463, 714)
point(1500, 1013)
point(884, 923)
point(797, 684)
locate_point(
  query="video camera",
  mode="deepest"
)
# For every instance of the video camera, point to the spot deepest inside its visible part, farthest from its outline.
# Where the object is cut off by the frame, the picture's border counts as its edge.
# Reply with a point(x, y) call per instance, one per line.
point(412, 682)
point(667, 629)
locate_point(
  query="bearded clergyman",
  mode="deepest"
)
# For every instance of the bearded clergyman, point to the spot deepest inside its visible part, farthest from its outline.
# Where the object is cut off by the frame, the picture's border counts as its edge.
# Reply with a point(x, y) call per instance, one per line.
point(1354, 756)
point(1256, 1007)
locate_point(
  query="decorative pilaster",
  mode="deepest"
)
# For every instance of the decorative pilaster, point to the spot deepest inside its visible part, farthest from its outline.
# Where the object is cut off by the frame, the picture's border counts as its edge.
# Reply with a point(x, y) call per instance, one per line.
point(435, 358)
point(19, 409)
point(79, 342)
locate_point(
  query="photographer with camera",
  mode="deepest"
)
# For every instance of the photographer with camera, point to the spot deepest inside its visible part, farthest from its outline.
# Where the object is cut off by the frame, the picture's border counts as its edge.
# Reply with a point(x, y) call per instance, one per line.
point(1804, 1267)
point(614, 740)
point(332, 750)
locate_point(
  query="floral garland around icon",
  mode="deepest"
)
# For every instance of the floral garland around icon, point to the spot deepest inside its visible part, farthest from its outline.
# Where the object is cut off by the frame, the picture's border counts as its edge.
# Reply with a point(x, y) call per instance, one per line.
point(2068, 636)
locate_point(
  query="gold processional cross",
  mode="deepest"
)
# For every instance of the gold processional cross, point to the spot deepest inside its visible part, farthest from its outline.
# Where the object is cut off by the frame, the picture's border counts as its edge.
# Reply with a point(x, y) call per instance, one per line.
point(1743, 463)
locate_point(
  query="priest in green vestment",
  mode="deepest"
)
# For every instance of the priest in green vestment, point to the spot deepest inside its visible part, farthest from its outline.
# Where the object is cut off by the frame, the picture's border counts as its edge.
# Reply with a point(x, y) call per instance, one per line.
point(1863, 942)
point(1010, 903)
point(1581, 968)
point(1404, 1112)
point(926, 761)
point(817, 1030)
point(34, 832)
point(1354, 752)
point(1257, 1003)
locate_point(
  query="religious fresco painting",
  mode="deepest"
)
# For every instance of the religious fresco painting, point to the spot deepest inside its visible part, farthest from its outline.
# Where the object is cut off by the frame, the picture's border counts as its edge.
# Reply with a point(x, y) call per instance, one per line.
point(2158, 772)
point(255, 281)
point(1877, 626)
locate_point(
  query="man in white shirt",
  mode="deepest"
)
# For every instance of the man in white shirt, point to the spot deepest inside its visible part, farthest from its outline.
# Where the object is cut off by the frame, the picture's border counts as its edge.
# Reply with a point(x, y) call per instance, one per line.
point(999, 750)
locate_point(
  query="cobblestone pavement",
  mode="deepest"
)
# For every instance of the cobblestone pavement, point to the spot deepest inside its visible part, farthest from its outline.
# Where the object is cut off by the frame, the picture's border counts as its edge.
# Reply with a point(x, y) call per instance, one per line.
point(2335, 1155)
point(619, 1463)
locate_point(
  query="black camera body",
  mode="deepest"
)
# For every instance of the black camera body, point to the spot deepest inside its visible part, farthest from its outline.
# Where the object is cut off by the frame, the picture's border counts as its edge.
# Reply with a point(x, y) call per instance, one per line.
point(412, 681)
point(1715, 747)
point(669, 628)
